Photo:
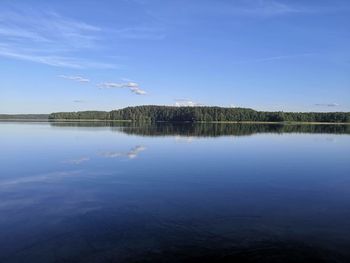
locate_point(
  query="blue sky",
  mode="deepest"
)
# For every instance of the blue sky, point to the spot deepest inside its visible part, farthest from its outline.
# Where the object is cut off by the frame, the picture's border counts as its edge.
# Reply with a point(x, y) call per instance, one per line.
point(61, 55)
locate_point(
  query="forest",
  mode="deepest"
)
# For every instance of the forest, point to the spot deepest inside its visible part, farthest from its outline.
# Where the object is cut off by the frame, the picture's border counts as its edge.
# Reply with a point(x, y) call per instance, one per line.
point(154, 113)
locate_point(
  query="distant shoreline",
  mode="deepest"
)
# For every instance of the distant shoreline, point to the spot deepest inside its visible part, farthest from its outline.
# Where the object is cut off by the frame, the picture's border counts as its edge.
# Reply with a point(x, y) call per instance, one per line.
point(212, 114)
point(25, 120)
point(196, 114)
point(194, 122)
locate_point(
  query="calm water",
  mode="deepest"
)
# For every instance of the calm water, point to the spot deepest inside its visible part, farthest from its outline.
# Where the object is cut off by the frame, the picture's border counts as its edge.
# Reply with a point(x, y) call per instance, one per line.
point(97, 192)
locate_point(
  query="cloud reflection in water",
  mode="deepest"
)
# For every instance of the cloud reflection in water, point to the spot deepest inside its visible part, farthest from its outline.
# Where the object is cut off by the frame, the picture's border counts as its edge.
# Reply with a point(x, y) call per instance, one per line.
point(131, 154)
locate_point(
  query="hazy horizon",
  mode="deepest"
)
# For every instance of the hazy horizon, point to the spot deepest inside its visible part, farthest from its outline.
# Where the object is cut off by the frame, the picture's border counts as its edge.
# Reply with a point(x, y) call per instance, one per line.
point(47, 113)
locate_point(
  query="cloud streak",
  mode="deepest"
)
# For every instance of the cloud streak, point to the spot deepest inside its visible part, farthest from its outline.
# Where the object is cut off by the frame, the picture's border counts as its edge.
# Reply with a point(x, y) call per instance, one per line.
point(327, 104)
point(47, 38)
point(138, 91)
point(186, 103)
point(113, 85)
point(51, 60)
point(174, 12)
point(76, 78)
point(266, 8)
point(273, 58)
point(141, 33)
point(132, 86)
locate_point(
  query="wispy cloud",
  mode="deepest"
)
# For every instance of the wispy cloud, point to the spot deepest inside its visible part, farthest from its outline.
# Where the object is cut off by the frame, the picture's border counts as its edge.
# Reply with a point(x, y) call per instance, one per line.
point(79, 101)
point(47, 38)
point(132, 154)
point(186, 103)
point(113, 85)
point(112, 154)
point(273, 58)
point(256, 8)
point(282, 57)
point(327, 104)
point(78, 161)
point(46, 26)
point(51, 60)
point(75, 78)
point(141, 33)
point(181, 11)
point(138, 91)
point(267, 8)
point(132, 86)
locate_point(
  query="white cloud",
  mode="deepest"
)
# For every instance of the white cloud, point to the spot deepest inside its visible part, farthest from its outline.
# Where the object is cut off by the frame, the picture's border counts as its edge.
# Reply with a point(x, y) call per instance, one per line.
point(132, 86)
point(75, 78)
point(138, 91)
point(186, 103)
point(327, 104)
point(110, 85)
point(111, 154)
point(113, 85)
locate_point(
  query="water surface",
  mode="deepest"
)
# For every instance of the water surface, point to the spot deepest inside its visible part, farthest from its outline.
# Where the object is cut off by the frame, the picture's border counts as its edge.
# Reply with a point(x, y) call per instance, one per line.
point(128, 192)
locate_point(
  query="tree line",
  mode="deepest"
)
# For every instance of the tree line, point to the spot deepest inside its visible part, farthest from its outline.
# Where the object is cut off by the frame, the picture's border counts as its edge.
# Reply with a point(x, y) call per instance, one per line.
point(201, 114)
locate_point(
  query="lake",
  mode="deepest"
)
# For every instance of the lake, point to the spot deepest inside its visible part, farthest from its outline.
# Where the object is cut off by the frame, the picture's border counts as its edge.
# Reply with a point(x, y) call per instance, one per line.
point(129, 192)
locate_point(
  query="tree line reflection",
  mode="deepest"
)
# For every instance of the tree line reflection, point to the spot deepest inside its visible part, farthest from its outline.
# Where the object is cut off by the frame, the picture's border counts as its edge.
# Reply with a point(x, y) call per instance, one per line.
point(206, 129)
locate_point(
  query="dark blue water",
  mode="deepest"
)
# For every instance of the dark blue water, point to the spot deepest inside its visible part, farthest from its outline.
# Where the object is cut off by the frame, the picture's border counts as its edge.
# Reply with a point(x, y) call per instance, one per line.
point(102, 192)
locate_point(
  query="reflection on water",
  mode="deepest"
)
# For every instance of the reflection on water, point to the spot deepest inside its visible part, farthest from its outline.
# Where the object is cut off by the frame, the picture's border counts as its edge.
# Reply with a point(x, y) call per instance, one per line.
point(207, 129)
point(130, 154)
point(131, 192)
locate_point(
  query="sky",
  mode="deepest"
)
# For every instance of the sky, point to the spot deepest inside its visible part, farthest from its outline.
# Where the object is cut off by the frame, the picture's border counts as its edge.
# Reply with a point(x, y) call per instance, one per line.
point(275, 55)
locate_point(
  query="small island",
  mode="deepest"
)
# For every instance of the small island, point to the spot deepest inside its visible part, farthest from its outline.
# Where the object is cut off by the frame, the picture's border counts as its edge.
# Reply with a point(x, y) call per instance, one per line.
point(154, 113)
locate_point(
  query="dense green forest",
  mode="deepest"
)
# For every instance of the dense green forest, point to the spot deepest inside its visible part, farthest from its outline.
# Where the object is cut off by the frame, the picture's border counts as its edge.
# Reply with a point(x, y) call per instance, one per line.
point(199, 114)
point(24, 116)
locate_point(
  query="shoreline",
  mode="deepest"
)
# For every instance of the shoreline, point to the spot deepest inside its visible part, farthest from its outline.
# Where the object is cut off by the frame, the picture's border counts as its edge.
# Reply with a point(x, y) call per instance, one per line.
point(195, 122)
